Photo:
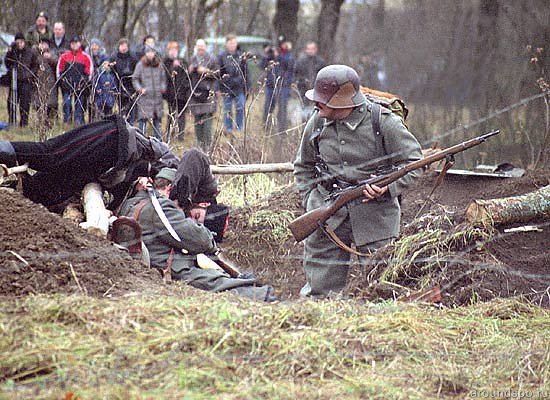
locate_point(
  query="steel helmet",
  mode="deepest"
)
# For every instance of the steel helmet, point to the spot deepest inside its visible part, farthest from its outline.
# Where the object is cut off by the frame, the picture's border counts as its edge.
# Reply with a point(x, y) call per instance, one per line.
point(337, 86)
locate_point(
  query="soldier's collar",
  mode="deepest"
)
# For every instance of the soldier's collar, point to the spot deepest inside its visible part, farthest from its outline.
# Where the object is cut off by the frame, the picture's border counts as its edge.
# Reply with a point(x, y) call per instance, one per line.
point(356, 117)
point(353, 120)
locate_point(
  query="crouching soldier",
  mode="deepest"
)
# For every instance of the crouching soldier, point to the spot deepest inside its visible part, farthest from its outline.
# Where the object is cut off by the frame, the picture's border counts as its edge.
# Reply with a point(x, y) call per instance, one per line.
point(175, 243)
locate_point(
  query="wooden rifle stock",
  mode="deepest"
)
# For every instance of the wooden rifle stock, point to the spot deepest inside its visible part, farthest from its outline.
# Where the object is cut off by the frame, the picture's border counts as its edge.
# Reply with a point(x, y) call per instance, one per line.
point(305, 225)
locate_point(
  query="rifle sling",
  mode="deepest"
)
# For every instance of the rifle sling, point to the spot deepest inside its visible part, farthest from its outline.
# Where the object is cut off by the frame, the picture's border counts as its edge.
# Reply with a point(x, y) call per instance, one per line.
point(338, 242)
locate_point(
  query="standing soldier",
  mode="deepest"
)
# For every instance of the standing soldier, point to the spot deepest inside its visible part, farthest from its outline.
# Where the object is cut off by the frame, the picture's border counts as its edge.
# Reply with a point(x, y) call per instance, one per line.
point(340, 140)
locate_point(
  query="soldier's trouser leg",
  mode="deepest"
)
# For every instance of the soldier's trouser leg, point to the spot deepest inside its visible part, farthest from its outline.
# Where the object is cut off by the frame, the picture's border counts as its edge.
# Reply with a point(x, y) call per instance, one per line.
point(218, 281)
point(326, 264)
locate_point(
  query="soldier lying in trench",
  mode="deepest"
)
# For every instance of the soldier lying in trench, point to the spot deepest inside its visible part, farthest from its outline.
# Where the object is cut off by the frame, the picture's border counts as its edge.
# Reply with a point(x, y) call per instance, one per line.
point(175, 240)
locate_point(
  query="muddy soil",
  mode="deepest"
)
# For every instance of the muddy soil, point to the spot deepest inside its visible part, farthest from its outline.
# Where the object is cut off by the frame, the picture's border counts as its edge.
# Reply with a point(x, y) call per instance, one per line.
point(42, 253)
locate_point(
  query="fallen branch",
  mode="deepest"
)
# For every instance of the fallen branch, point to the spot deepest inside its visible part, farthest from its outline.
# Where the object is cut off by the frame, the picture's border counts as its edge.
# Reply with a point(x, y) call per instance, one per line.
point(243, 169)
point(510, 209)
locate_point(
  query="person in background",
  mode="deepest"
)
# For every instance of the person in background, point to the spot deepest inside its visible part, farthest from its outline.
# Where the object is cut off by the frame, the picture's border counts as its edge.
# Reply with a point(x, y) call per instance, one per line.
point(149, 81)
point(40, 30)
point(74, 70)
point(148, 41)
point(22, 61)
point(105, 89)
point(203, 70)
point(97, 52)
point(178, 87)
point(233, 83)
point(306, 70)
point(123, 65)
point(45, 95)
point(279, 65)
point(59, 43)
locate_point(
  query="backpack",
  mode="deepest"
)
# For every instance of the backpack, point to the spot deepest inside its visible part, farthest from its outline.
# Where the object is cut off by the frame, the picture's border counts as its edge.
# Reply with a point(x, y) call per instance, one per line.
point(379, 101)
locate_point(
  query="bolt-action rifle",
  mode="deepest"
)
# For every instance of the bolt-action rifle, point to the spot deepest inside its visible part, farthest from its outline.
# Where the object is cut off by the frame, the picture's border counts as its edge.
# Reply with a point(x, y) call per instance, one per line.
point(306, 224)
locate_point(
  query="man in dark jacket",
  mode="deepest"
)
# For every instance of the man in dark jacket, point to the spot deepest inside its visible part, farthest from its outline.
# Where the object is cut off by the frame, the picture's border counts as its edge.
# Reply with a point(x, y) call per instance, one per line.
point(307, 68)
point(278, 63)
point(22, 61)
point(178, 252)
point(110, 152)
point(40, 30)
point(178, 87)
point(59, 43)
point(75, 70)
point(124, 62)
point(233, 83)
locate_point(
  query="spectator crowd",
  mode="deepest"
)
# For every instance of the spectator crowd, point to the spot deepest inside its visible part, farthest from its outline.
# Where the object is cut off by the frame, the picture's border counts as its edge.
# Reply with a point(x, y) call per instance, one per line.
point(44, 64)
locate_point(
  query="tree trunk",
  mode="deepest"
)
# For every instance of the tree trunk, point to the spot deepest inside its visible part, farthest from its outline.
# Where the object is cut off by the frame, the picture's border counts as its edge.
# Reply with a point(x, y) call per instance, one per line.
point(97, 216)
point(74, 15)
point(327, 25)
point(511, 209)
point(285, 21)
point(125, 7)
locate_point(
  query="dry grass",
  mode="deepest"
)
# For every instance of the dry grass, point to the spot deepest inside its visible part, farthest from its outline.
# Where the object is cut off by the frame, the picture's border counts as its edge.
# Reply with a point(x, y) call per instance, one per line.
point(218, 346)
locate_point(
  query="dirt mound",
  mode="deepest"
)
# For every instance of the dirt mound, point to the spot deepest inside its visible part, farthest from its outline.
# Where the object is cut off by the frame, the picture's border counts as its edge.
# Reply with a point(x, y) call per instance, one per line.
point(42, 253)
point(504, 265)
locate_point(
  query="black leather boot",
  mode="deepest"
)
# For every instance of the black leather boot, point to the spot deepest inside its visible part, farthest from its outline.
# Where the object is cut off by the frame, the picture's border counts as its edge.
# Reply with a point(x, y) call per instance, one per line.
point(7, 154)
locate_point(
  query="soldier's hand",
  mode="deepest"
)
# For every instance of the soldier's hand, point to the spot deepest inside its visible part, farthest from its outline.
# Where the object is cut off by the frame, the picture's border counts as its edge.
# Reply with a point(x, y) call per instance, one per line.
point(372, 192)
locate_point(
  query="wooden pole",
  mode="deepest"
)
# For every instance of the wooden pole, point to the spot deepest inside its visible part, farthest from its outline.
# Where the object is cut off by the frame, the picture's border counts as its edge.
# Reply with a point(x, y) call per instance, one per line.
point(511, 209)
point(97, 216)
point(244, 169)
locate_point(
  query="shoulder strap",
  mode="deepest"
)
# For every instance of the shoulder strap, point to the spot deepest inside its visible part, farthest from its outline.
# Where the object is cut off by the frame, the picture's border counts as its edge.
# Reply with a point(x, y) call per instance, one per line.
point(317, 128)
point(139, 207)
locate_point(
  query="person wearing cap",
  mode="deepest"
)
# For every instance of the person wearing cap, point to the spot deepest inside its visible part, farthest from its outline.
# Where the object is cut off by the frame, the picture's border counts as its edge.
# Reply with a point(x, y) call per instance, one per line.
point(180, 256)
point(278, 63)
point(149, 81)
point(340, 140)
point(40, 30)
point(23, 61)
point(75, 70)
point(45, 97)
point(105, 90)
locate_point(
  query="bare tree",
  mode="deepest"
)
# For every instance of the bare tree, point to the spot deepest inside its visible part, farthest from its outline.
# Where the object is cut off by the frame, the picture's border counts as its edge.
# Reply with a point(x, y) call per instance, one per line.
point(285, 21)
point(327, 25)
